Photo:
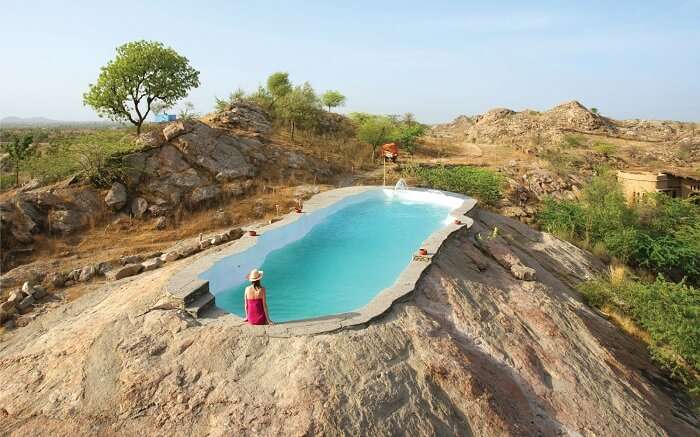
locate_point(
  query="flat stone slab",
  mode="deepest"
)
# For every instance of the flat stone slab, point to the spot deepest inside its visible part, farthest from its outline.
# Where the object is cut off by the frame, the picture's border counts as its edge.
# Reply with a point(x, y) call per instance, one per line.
point(186, 282)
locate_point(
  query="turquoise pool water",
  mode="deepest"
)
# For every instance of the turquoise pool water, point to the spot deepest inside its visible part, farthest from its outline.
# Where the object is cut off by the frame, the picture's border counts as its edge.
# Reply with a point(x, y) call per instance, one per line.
point(341, 263)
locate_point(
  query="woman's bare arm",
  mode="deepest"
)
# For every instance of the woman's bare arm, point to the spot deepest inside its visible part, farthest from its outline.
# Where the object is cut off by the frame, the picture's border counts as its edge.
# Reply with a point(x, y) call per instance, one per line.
point(245, 306)
point(267, 314)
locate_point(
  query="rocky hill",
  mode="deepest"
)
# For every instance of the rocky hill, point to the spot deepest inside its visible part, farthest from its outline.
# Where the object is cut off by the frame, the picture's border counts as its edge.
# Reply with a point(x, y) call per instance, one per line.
point(185, 165)
point(474, 351)
point(532, 129)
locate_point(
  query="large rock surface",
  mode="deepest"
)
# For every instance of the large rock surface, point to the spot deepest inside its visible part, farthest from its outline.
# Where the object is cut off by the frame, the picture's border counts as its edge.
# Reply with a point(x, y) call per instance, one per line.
point(188, 163)
point(473, 351)
point(244, 116)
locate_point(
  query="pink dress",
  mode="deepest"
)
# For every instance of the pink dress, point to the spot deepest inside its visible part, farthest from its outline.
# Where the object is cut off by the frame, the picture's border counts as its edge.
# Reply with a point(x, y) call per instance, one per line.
point(256, 311)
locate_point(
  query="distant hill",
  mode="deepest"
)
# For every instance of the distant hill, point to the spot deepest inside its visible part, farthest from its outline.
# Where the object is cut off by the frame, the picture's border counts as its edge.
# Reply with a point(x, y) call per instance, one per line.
point(505, 126)
point(8, 122)
point(27, 121)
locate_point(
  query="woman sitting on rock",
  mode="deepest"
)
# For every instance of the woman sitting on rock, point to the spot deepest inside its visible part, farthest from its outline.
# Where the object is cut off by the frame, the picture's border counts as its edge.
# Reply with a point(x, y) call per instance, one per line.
point(255, 300)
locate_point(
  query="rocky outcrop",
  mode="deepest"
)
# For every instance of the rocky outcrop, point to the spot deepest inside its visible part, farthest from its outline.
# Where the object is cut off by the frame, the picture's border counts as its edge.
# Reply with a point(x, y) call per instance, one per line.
point(243, 116)
point(473, 351)
point(53, 210)
point(116, 196)
point(187, 164)
point(535, 131)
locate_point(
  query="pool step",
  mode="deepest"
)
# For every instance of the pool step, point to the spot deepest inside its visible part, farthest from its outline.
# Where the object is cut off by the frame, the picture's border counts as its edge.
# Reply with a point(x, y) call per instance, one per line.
point(191, 295)
point(197, 307)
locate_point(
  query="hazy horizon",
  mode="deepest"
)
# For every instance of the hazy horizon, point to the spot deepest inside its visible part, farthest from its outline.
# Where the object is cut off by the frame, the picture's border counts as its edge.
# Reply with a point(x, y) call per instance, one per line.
point(629, 59)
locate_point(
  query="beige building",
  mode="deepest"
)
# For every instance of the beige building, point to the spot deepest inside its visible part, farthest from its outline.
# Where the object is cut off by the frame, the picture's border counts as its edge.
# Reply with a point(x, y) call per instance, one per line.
point(675, 183)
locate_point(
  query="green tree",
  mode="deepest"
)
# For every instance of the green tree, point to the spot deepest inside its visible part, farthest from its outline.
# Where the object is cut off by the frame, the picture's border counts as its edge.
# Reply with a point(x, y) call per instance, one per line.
point(278, 86)
point(143, 72)
point(407, 135)
point(375, 130)
point(332, 98)
point(299, 108)
point(19, 150)
point(409, 119)
point(594, 110)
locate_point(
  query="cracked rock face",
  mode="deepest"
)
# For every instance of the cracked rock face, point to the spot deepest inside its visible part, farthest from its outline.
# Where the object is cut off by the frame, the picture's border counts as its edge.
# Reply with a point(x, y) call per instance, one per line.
point(187, 162)
point(473, 351)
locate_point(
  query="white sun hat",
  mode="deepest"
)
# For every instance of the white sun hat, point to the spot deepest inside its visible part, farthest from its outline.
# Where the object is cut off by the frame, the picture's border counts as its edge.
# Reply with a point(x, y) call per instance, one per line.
point(255, 275)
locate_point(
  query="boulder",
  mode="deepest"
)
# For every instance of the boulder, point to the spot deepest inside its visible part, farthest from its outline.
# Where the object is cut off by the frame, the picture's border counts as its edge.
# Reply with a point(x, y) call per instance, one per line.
point(220, 155)
point(203, 194)
point(170, 256)
point(152, 264)
point(139, 206)
point(124, 271)
point(15, 297)
point(234, 234)
point(8, 307)
point(244, 116)
point(153, 138)
point(31, 215)
point(186, 251)
point(175, 129)
point(56, 279)
point(204, 244)
point(131, 259)
point(65, 221)
point(116, 196)
point(74, 275)
point(38, 292)
point(87, 273)
point(104, 267)
point(218, 239)
point(26, 303)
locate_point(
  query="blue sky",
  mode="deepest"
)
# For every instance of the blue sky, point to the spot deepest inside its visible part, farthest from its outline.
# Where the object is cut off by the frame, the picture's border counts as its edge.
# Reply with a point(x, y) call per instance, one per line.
point(438, 59)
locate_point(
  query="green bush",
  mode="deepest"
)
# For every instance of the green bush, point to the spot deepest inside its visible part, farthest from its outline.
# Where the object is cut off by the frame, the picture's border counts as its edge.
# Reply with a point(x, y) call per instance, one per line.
point(564, 218)
point(660, 233)
point(604, 148)
point(668, 311)
point(89, 152)
point(480, 183)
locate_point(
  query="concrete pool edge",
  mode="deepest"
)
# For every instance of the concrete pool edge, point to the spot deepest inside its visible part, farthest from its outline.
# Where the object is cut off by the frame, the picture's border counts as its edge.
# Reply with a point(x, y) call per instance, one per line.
point(186, 281)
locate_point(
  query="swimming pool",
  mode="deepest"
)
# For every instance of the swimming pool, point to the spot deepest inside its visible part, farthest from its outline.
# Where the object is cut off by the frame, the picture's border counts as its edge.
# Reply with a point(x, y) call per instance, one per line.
point(335, 259)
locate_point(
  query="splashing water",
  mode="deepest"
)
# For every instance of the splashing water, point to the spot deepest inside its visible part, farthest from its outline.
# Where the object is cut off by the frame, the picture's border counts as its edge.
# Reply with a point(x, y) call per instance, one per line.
point(401, 185)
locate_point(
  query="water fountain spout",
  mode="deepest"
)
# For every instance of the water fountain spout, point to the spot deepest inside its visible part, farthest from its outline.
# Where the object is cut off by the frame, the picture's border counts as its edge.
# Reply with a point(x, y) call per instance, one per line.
point(401, 185)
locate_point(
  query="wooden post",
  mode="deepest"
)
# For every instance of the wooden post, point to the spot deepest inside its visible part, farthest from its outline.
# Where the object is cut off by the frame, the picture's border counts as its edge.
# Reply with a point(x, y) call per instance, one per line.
point(384, 162)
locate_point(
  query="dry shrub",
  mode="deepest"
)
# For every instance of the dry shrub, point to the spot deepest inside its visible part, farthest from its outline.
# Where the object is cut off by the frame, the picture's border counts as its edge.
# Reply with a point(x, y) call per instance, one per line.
point(617, 274)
